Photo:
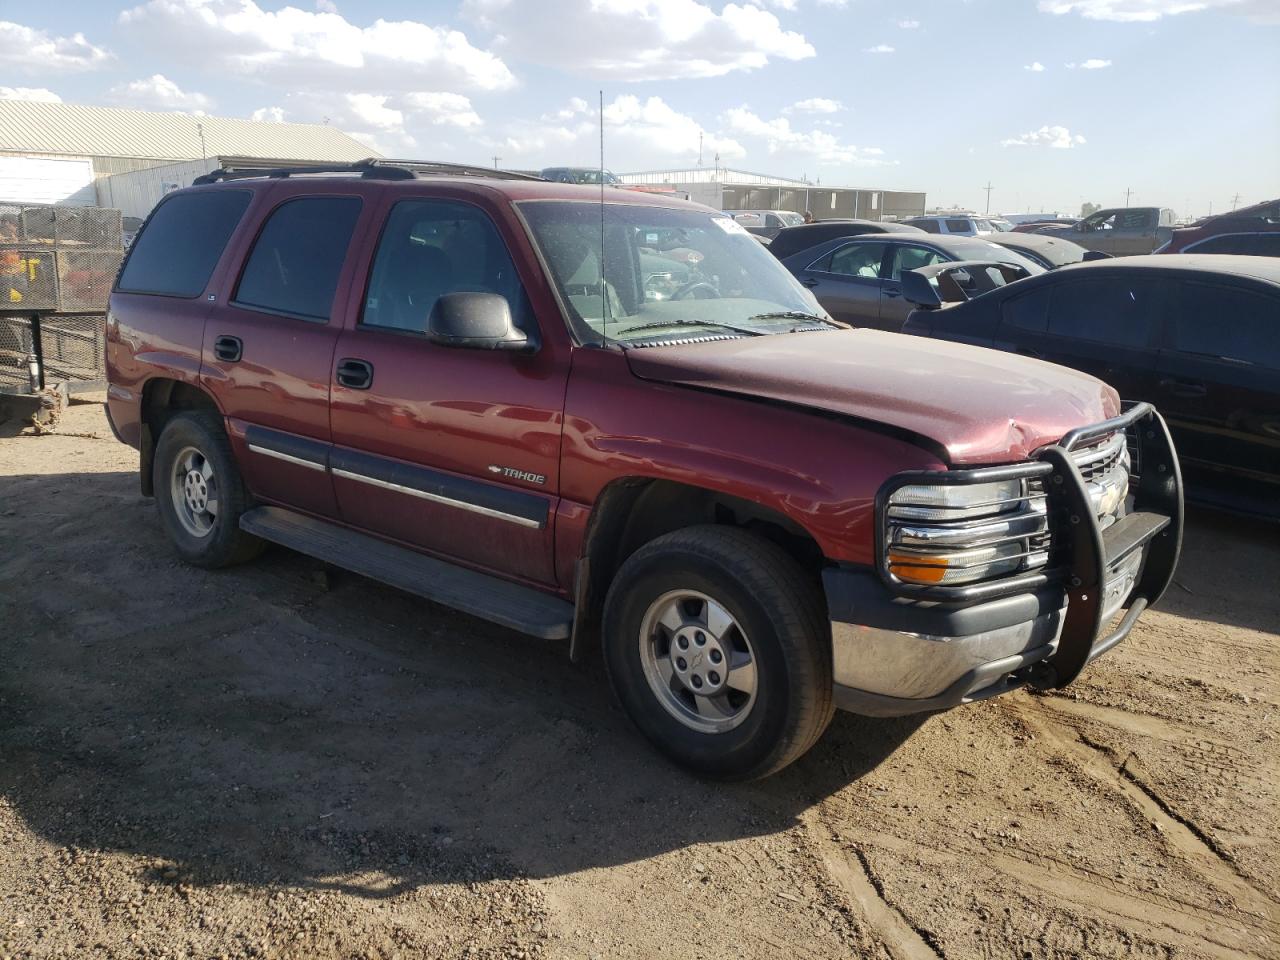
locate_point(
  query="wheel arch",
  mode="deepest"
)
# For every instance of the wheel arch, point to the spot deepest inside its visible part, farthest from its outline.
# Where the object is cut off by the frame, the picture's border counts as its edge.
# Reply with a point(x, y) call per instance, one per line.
point(162, 397)
point(632, 511)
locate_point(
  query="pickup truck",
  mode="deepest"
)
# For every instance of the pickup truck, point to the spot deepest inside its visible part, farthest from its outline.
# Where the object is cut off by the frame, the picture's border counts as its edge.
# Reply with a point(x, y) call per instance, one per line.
point(1120, 232)
point(464, 383)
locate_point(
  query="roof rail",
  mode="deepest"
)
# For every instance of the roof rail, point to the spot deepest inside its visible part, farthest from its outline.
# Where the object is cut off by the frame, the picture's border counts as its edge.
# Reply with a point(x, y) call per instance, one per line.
point(371, 168)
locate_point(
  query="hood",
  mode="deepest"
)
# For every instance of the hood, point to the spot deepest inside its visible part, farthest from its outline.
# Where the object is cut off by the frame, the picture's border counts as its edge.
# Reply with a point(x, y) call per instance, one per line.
point(981, 406)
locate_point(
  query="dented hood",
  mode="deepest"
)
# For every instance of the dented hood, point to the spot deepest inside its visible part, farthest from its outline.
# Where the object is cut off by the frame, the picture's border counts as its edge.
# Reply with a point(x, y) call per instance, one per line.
point(981, 406)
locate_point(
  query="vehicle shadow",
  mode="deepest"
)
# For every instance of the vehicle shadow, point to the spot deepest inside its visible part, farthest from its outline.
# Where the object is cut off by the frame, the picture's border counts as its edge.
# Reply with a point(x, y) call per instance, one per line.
point(282, 724)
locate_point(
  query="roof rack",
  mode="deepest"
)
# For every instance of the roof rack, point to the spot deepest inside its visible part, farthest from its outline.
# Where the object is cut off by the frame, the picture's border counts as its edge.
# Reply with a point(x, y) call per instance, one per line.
point(371, 168)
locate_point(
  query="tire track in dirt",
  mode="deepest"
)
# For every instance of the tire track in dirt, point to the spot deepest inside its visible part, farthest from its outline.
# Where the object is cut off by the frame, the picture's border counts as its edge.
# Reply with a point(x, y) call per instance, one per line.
point(858, 882)
point(1257, 906)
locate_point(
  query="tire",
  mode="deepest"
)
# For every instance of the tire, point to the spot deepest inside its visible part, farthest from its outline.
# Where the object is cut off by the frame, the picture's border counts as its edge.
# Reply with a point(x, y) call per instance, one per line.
point(658, 600)
point(194, 442)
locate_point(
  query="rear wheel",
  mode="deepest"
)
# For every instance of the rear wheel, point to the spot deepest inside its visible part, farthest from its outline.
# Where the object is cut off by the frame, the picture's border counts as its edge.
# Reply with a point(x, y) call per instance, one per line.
point(199, 492)
point(716, 644)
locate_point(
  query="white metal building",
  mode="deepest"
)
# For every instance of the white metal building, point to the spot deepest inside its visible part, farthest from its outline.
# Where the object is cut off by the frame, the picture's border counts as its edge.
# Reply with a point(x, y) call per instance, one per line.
point(68, 153)
point(728, 189)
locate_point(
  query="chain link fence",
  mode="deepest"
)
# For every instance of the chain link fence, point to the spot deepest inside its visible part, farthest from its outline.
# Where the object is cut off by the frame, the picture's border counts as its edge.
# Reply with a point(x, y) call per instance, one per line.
point(57, 266)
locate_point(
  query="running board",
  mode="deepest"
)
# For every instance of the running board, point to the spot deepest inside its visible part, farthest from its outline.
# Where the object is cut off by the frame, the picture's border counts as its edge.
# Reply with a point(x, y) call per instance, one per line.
point(509, 604)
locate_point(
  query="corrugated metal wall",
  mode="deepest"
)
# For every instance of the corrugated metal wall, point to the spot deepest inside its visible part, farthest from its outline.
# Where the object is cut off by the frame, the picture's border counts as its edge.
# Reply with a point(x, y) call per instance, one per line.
point(134, 193)
point(47, 180)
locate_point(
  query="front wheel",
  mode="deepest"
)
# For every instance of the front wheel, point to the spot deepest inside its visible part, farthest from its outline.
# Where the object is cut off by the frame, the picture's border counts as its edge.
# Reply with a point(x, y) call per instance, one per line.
point(716, 644)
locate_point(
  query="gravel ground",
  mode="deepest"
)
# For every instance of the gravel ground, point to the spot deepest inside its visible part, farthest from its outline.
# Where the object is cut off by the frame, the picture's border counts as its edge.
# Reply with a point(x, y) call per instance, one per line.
point(278, 761)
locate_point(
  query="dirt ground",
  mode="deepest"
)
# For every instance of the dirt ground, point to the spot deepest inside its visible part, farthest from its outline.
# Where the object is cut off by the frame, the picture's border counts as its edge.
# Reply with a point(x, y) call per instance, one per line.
point(274, 761)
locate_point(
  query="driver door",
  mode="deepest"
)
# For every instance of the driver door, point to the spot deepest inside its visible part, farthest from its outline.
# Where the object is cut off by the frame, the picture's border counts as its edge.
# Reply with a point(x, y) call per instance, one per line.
point(453, 451)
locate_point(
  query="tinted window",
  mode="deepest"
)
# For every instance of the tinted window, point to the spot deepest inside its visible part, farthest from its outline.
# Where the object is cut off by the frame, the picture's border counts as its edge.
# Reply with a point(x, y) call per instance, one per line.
point(176, 253)
point(1117, 311)
point(1028, 312)
point(858, 260)
point(1251, 245)
point(958, 226)
point(433, 247)
point(295, 263)
point(928, 226)
point(1219, 321)
point(908, 257)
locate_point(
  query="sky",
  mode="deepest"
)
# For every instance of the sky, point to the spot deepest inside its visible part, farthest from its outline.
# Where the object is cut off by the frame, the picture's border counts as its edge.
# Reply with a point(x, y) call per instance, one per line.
point(1053, 103)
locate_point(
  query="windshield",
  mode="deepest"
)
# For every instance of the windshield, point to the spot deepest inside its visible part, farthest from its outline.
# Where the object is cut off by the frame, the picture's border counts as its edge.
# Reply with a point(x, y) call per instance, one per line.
point(669, 274)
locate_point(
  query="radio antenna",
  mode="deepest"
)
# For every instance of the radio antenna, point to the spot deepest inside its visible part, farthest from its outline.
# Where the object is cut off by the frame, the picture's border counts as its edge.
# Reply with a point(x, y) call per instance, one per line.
point(604, 284)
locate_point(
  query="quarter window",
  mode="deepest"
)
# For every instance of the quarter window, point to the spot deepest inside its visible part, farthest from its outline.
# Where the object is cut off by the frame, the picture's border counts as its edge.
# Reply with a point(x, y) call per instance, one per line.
point(176, 253)
point(958, 226)
point(1218, 321)
point(1027, 312)
point(1119, 311)
point(858, 260)
point(433, 247)
point(296, 260)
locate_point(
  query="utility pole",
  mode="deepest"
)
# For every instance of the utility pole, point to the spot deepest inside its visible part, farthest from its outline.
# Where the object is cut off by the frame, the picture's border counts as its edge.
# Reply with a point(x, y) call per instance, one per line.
point(1128, 192)
point(699, 148)
point(495, 162)
point(204, 153)
point(1234, 200)
point(988, 188)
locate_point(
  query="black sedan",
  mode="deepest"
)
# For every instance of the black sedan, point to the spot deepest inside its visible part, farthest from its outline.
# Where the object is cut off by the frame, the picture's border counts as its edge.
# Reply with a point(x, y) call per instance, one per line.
point(1049, 251)
point(1197, 335)
point(802, 236)
point(858, 279)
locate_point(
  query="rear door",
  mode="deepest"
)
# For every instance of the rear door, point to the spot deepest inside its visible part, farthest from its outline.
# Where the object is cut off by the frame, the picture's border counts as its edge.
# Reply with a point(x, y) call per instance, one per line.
point(268, 346)
point(453, 451)
point(1108, 327)
point(1219, 381)
point(1135, 232)
point(847, 281)
point(894, 309)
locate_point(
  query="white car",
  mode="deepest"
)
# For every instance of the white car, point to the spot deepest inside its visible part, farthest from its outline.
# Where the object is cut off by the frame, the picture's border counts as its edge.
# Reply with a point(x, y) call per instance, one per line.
point(955, 226)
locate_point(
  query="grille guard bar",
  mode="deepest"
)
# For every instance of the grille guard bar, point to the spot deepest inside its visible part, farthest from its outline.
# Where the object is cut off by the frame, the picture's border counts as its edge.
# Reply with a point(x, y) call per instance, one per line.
point(1079, 558)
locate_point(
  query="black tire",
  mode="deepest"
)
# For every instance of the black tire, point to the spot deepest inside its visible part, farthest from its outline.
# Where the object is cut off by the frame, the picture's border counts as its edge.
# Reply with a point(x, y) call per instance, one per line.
point(774, 604)
point(224, 544)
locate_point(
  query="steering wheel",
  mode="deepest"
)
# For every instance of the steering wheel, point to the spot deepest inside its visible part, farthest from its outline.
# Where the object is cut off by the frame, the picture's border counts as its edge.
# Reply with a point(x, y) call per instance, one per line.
point(691, 289)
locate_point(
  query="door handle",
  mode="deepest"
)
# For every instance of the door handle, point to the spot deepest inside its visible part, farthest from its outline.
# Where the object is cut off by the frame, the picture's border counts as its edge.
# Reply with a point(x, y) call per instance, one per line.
point(892, 292)
point(809, 282)
point(228, 349)
point(1030, 352)
point(356, 374)
point(1184, 388)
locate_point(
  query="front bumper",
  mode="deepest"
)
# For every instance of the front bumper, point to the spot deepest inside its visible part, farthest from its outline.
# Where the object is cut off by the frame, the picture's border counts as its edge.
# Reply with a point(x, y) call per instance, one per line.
point(899, 649)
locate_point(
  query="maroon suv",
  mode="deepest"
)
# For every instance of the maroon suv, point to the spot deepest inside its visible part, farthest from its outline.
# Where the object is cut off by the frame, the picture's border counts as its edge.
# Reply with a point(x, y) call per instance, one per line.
point(614, 418)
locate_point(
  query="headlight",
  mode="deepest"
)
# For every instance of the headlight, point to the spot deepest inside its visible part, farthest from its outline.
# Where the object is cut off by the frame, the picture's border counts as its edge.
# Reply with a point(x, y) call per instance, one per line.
point(947, 533)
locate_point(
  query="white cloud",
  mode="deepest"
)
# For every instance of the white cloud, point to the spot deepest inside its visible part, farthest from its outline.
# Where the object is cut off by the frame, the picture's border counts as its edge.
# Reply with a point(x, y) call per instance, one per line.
point(158, 92)
point(321, 49)
point(630, 40)
point(1095, 64)
point(1145, 11)
point(1058, 138)
point(909, 24)
point(647, 132)
point(452, 109)
point(31, 50)
point(1036, 67)
point(40, 94)
point(389, 123)
point(268, 115)
point(815, 105)
point(879, 48)
point(780, 137)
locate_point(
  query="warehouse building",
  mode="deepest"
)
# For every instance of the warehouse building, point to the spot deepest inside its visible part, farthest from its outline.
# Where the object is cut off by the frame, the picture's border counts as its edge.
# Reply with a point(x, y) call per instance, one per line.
point(727, 189)
point(70, 154)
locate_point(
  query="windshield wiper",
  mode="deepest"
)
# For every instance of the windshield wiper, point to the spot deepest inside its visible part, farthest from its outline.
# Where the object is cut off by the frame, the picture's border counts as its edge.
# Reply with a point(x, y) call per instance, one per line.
point(664, 324)
point(795, 315)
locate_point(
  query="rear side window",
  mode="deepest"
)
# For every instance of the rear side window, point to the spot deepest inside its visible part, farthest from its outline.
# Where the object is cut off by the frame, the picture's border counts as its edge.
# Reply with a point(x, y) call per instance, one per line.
point(958, 226)
point(296, 260)
point(928, 226)
point(175, 255)
point(909, 257)
point(1246, 244)
point(858, 260)
point(1220, 321)
point(1028, 312)
point(1119, 311)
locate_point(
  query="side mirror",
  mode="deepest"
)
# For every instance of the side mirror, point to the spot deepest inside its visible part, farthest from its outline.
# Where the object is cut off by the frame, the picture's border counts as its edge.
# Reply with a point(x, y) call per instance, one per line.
point(917, 289)
point(479, 321)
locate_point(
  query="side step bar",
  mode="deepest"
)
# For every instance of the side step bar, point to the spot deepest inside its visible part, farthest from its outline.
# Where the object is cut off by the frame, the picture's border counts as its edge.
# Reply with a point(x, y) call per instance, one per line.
point(509, 604)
